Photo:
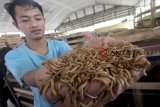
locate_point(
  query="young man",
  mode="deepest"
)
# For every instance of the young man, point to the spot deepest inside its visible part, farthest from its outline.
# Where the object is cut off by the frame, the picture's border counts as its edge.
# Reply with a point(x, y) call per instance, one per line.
point(25, 62)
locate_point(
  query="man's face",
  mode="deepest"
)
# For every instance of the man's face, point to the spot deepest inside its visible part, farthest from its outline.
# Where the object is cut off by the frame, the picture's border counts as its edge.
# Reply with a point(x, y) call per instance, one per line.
point(30, 21)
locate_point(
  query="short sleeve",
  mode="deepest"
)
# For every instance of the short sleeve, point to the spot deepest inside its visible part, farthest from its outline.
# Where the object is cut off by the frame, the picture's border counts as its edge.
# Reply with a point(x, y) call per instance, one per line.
point(18, 64)
point(63, 47)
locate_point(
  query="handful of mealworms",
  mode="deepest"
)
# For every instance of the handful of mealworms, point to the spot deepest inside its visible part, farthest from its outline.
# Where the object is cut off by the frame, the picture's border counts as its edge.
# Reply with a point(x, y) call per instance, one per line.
point(77, 70)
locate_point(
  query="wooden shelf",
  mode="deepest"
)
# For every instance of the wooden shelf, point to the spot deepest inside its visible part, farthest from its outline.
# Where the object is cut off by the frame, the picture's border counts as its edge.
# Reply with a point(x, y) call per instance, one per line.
point(71, 36)
point(146, 86)
point(75, 46)
point(75, 41)
point(23, 91)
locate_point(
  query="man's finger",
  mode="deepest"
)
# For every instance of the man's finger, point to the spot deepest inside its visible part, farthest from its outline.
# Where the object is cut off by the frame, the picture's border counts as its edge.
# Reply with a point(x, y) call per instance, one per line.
point(109, 41)
point(96, 87)
point(96, 42)
point(52, 98)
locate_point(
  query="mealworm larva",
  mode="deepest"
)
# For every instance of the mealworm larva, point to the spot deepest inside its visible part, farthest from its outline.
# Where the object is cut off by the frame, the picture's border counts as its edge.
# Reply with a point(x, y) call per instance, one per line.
point(144, 72)
point(81, 89)
point(120, 65)
point(121, 81)
point(125, 75)
point(53, 87)
point(73, 69)
point(74, 101)
point(45, 89)
point(69, 85)
point(89, 104)
point(138, 57)
point(46, 80)
point(53, 71)
point(101, 74)
point(73, 77)
point(79, 80)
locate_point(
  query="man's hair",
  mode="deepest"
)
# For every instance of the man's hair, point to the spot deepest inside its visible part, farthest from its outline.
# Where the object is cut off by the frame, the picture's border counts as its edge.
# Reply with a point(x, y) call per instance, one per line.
point(10, 7)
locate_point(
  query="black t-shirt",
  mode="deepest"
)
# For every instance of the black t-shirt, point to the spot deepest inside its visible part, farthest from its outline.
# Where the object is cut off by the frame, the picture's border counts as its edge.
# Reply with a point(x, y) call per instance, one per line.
point(3, 69)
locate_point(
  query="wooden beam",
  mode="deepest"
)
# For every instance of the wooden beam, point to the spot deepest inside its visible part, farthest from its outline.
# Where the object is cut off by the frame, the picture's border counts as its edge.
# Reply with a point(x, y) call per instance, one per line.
point(23, 91)
point(146, 86)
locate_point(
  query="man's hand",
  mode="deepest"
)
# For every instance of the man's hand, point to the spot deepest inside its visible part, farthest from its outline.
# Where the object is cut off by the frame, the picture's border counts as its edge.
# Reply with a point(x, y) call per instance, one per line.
point(34, 77)
point(96, 87)
point(40, 75)
point(103, 42)
point(43, 73)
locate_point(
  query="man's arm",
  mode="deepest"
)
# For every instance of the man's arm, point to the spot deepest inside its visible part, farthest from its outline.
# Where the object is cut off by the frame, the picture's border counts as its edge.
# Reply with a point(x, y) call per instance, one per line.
point(28, 78)
point(35, 77)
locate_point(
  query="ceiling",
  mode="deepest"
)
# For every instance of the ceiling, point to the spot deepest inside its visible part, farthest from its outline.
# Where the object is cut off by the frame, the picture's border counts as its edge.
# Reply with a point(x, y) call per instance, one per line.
point(58, 11)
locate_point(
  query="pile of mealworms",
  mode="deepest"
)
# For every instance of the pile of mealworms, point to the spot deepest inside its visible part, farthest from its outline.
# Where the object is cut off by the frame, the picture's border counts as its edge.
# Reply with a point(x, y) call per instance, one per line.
point(78, 69)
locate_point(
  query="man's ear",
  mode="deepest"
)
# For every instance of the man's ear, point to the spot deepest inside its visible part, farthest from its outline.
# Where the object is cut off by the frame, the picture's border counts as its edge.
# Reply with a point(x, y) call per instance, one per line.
point(16, 25)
